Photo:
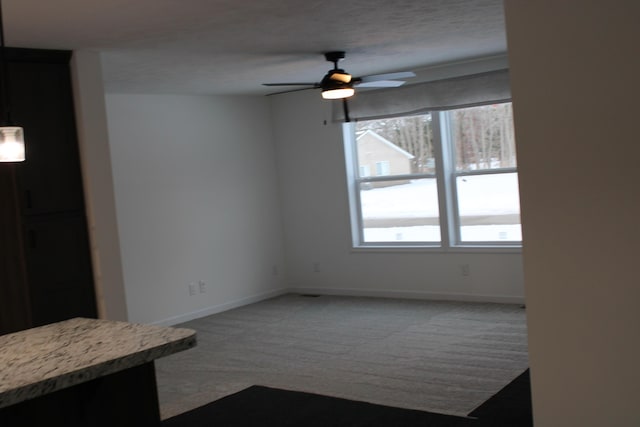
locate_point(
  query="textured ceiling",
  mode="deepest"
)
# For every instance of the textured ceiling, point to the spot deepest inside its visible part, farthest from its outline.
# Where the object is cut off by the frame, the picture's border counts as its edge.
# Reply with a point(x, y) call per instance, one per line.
point(232, 46)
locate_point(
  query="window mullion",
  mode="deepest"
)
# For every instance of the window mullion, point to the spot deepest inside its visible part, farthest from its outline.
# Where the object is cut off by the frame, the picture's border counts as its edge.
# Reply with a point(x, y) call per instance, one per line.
point(353, 186)
point(444, 179)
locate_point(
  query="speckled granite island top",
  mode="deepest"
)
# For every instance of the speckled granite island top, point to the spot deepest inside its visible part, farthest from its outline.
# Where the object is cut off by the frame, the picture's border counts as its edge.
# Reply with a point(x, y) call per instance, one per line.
point(42, 360)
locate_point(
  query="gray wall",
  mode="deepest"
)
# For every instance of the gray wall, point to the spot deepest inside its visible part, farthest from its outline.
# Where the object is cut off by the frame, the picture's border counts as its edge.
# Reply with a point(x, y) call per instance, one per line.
point(248, 195)
point(97, 173)
point(311, 170)
point(574, 75)
point(196, 200)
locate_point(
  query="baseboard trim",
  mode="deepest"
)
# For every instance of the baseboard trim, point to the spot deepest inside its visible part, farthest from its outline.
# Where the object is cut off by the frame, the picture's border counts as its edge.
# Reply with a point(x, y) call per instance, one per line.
point(219, 308)
point(353, 292)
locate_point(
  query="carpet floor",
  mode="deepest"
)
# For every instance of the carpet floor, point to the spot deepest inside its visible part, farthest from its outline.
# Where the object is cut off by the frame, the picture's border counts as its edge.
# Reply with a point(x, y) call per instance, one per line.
point(440, 357)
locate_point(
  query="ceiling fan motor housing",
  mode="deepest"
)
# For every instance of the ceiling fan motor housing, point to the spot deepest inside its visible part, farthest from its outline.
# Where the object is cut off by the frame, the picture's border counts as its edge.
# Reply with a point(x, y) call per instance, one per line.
point(334, 56)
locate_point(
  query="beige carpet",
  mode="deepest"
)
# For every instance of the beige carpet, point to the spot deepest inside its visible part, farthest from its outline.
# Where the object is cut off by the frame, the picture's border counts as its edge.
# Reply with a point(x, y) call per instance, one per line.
point(442, 357)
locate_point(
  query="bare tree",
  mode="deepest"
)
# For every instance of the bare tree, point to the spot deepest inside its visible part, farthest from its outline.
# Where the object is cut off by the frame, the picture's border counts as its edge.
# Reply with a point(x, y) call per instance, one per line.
point(483, 136)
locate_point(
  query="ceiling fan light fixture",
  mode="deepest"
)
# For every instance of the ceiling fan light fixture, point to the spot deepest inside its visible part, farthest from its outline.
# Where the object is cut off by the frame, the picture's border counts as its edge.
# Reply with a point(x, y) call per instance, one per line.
point(339, 93)
point(340, 76)
point(336, 89)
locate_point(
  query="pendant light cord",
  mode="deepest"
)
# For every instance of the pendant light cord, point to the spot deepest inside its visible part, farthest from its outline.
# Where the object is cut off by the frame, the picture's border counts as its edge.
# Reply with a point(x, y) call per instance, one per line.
point(4, 80)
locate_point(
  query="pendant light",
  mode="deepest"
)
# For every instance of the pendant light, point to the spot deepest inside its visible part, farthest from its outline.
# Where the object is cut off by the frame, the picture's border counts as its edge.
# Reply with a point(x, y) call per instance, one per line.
point(11, 136)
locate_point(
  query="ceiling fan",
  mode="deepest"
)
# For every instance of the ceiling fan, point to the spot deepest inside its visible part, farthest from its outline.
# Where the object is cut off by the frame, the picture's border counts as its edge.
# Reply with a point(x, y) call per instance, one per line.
point(338, 84)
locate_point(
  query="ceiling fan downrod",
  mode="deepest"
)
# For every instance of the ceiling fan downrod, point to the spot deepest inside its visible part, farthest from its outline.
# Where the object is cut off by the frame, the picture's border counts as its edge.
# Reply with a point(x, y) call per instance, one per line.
point(334, 57)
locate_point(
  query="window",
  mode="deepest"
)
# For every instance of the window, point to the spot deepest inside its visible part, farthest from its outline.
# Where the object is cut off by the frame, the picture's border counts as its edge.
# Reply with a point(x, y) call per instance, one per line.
point(443, 179)
point(382, 168)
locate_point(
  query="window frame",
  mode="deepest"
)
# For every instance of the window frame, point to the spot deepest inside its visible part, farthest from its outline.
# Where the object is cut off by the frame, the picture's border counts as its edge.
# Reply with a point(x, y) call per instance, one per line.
point(383, 168)
point(365, 168)
point(445, 175)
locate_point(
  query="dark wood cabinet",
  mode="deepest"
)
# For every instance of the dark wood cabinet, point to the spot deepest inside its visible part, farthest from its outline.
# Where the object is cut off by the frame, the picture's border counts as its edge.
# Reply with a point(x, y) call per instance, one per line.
point(15, 309)
point(42, 103)
point(46, 253)
point(58, 268)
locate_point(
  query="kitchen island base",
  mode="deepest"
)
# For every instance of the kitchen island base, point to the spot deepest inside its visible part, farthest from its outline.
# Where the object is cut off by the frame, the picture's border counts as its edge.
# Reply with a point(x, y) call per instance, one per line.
point(125, 398)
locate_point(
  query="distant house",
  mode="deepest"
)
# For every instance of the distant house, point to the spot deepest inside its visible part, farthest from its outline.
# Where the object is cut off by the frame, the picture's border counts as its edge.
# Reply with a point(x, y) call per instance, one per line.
point(377, 156)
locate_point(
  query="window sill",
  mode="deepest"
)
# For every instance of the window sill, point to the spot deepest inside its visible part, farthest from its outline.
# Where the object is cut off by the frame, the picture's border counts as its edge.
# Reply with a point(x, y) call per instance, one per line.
point(485, 249)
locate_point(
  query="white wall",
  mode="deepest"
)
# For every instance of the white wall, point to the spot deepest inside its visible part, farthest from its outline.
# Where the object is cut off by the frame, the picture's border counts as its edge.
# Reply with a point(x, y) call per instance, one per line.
point(197, 200)
point(575, 78)
point(312, 178)
point(93, 138)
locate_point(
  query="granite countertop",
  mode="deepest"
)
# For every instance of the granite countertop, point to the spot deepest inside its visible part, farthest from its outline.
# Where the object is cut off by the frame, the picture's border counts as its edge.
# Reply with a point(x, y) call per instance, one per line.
point(42, 360)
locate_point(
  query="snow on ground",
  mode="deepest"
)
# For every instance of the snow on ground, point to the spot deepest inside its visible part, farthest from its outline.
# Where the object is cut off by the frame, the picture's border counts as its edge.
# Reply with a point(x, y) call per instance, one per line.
point(480, 195)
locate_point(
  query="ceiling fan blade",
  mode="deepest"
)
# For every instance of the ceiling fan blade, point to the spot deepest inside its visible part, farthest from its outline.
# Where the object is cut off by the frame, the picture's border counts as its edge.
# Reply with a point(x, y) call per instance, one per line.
point(291, 84)
point(381, 83)
point(291, 90)
point(387, 76)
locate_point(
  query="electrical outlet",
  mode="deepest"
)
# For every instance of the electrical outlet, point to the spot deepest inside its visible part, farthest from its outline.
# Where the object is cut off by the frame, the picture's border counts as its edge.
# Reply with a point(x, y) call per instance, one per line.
point(203, 286)
point(316, 267)
point(274, 269)
point(192, 288)
point(465, 270)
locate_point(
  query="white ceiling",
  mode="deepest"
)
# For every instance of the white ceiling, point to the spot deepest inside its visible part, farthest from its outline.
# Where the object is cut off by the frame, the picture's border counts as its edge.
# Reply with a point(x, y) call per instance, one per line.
point(232, 46)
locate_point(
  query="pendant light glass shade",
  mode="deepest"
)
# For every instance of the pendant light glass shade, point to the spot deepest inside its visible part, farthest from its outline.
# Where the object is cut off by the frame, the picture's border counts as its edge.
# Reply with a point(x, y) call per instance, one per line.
point(339, 93)
point(11, 144)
